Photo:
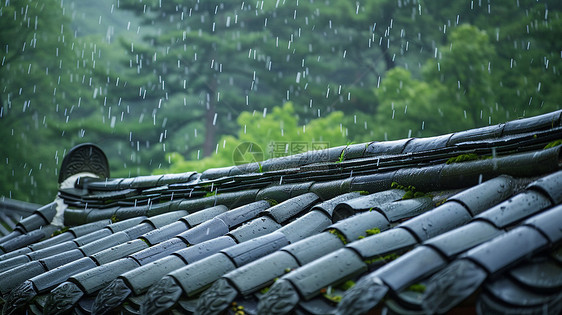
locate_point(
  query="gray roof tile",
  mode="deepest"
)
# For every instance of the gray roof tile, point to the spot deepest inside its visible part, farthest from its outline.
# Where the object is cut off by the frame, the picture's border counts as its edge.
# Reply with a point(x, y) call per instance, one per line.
point(87, 228)
point(95, 279)
point(316, 275)
point(516, 208)
point(550, 185)
point(205, 231)
point(204, 215)
point(463, 238)
point(426, 144)
point(497, 219)
point(104, 243)
point(237, 216)
point(354, 227)
point(196, 277)
point(395, 240)
point(290, 208)
point(386, 147)
point(258, 274)
point(350, 207)
point(328, 206)
point(313, 247)
point(199, 251)
point(164, 233)
point(58, 248)
point(419, 262)
point(49, 280)
point(405, 209)
point(13, 262)
point(482, 197)
point(257, 227)
point(118, 251)
point(442, 219)
point(165, 248)
point(16, 276)
point(488, 304)
point(307, 225)
point(509, 292)
point(32, 222)
point(541, 274)
point(253, 249)
point(140, 279)
point(482, 133)
point(507, 248)
point(549, 223)
point(461, 278)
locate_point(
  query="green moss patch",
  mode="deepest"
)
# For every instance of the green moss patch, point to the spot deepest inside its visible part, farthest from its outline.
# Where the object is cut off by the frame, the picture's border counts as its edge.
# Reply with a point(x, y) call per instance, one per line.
point(237, 309)
point(58, 232)
point(264, 290)
point(553, 144)
point(463, 158)
point(370, 232)
point(363, 192)
point(373, 231)
point(6, 226)
point(441, 202)
point(347, 285)
point(272, 202)
point(410, 190)
point(211, 193)
point(417, 287)
point(339, 235)
point(385, 258)
point(335, 296)
point(342, 156)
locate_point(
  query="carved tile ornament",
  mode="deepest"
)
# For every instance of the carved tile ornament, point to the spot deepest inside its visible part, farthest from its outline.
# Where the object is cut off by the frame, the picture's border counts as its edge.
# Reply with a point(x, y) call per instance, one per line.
point(161, 296)
point(18, 298)
point(85, 157)
point(110, 297)
point(280, 299)
point(217, 298)
point(62, 298)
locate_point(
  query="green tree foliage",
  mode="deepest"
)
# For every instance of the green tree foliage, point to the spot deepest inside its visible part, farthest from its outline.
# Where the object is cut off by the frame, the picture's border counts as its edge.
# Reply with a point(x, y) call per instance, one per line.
point(56, 93)
point(526, 74)
point(195, 66)
point(525, 62)
point(332, 55)
point(462, 89)
point(455, 91)
point(275, 134)
point(211, 60)
point(34, 96)
point(464, 69)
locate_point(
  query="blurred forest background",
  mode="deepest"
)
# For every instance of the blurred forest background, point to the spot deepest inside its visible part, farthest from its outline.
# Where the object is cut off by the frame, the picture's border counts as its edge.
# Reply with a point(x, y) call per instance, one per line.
point(175, 85)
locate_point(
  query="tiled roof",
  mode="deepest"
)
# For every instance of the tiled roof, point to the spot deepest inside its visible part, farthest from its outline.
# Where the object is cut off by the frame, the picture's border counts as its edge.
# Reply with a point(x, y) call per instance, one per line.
point(11, 212)
point(470, 220)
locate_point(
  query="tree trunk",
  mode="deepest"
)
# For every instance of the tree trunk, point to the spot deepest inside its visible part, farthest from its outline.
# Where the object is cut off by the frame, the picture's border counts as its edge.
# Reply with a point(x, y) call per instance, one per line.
point(387, 57)
point(210, 127)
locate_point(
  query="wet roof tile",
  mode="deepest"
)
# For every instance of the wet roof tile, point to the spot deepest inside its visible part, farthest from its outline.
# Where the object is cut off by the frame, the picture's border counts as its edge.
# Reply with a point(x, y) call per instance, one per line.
point(483, 215)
